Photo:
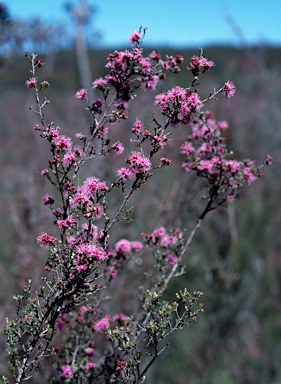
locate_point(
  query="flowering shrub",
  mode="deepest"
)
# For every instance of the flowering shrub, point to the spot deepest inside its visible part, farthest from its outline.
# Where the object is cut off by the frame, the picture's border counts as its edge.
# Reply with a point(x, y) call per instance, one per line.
point(96, 344)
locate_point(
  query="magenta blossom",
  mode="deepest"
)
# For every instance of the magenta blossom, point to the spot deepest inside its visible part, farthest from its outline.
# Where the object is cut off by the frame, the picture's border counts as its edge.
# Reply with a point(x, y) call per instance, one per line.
point(99, 83)
point(89, 351)
point(135, 37)
point(123, 246)
point(229, 89)
point(171, 260)
point(112, 272)
point(118, 147)
point(138, 127)
point(81, 94)
point(125, 173)
point(90, 366)
point(102, 324)
point(67, 372)
point(31, 82)
point(136, 246)
point(45, 240)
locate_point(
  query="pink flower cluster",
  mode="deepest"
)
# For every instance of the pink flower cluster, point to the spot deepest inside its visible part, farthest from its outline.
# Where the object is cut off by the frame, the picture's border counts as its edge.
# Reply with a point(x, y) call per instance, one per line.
point(65, 153)
point(45, 240)
point(130, 69)
point(123, 65)
point(103, 324)
point(139, 164)
point(81, 94)
point(118, 148)
point(124, 247)
point(31, 82)
point(179, 105)
point(206, 154)
point(90, 250)
point(67, 372)
point(162, 238)
point(169, 242)
point(135, 37)
point(200, 65)
point(85, 196)
point(229, 89)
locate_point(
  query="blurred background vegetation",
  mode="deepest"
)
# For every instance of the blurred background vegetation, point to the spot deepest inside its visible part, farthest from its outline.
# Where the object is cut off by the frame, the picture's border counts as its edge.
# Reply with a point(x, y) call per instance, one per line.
point(236, 258)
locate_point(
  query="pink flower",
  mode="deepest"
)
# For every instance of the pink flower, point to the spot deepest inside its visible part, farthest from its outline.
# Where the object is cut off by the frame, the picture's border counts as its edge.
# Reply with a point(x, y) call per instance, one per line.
point(233, 165)
point(145, 64)
point(161, 100)
point(80, 268)
point(59, 325)
point(80, 199)
point(198, 63)
point(83, 309)
point(79, 136)
point(166, 161)
point(91, 185)
point(171, 260)
point(159, 232)
point(66, 223)
point(120, 317)
point(90, 366)
point(63, 143)
point(112, 272)
point(125, 173)
point(72, 240)
point(48, 199)
point(45, 240)
point(138, 127)
point(31, 82)
point(81, 94)
point(229, 89)
point(135, 37)
point(186, 148)
point(103, 186)
point(78, 151)
point(122, 106)
point(67, 371)
point(136, 246)
point(89, 351)
point(103, 131)
point(99, 83)
point(168, 240)
point(230, 198)
point(139, 162)
point(151, 82)
point(123, 246)
point(250, 177)
point(118, 148)
point(91, 250)
point(160, 140)
point(179, 104)
point(44, 172)
point(102, 324)
point(155, 56)
point(176, 93)
point(222, 125)
point(205, 165)
point(98, 211)
point(53, 133)
point(268, 160)
point(69, 159)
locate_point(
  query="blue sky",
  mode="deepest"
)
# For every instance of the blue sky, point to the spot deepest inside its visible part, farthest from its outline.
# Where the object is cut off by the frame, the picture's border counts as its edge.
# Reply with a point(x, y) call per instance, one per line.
point(169, 22)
